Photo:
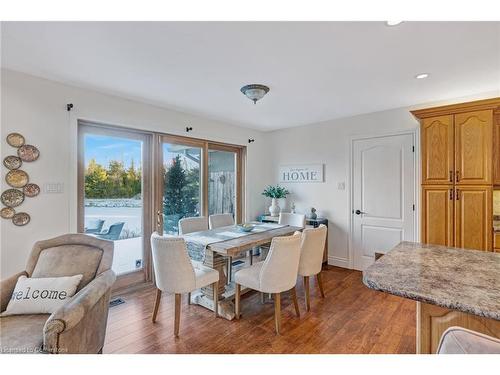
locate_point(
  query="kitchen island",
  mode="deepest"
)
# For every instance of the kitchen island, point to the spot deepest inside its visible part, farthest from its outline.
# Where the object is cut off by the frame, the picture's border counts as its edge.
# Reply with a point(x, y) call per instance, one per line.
point(452, 287)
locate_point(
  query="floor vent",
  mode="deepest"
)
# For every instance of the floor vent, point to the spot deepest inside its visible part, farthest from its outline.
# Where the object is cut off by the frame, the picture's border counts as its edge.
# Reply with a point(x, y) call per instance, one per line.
point(116, 302)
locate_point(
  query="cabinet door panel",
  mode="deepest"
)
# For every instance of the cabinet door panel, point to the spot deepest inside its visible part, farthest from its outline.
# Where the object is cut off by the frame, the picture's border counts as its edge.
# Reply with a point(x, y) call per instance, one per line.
point(473, 217)
point(437, 150)
point(496, 150)
point(473, 147)
point(437, 215)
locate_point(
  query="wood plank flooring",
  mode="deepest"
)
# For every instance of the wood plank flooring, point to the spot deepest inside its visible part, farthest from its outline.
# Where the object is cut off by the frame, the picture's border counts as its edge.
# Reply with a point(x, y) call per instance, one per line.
point(351, 319)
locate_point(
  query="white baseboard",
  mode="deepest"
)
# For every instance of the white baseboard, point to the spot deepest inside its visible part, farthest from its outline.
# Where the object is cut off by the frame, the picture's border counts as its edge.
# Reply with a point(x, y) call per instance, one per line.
point(339, 262)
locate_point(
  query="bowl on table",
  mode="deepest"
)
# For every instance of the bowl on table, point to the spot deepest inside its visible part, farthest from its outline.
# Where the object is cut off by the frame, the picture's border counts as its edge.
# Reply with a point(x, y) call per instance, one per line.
point(246, 227)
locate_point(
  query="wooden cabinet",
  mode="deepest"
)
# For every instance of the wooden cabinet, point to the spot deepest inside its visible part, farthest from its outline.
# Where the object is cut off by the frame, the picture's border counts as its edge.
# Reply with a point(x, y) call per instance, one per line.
point(437, 215)
point(496, 149)
point(460, 152)
point(474, 147)
point(496, 242)
point(474, 217)
point(437, 150)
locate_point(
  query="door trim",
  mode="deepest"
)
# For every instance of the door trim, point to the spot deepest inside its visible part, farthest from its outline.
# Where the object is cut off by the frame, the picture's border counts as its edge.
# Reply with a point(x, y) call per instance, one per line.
point(415, 133)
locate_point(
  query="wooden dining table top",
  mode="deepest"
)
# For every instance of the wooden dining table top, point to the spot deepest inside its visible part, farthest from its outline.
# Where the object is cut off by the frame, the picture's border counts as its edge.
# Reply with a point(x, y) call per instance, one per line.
point(237, 245)
point(234, 246)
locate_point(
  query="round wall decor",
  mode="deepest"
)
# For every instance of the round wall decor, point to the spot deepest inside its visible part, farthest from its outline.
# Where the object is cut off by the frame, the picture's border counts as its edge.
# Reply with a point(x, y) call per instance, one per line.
point(12, 197)
point(15, 140)
point(31, 190)
point(28, 153)
point(12, 162)
point(21, 218)
point(7, 212)
point(17, 178)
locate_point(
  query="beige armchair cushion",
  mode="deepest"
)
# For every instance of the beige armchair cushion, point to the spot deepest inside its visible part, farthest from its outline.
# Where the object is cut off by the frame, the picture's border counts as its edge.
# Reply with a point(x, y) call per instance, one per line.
point(22, 333)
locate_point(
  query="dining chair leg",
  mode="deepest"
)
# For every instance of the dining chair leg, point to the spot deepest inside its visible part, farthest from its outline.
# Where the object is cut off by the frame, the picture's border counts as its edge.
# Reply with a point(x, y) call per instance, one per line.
point(177, 314)
point(277, 312)
point(157, 305)
point(295, 302)
point(189, 298)
point(306, 289)
point(262, 298)
point(237, 301)
point(319, 279)
point(216, 298)
point(251, 257)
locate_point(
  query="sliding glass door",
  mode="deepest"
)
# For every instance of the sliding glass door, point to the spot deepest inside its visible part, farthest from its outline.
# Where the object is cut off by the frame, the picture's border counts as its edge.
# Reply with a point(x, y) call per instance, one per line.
point(181, 177)
point(131, 183)
point(198, 178)
point(115, 195)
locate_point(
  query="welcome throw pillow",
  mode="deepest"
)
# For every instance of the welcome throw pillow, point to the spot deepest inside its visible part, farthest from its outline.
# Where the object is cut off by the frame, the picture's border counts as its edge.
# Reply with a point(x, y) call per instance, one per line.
point(41, 295)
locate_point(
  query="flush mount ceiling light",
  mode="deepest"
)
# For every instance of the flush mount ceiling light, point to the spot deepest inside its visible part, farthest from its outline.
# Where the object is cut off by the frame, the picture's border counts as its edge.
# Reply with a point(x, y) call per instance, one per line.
point(393, 23)
point(422, 75)
point(254, 92)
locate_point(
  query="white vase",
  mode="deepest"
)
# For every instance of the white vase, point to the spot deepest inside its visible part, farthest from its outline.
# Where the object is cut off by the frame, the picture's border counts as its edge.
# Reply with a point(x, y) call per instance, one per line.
point(274, 209)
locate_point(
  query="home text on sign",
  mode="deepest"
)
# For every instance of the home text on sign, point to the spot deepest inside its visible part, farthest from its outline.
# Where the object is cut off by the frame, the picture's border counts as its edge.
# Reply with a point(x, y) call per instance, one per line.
point(301, 173)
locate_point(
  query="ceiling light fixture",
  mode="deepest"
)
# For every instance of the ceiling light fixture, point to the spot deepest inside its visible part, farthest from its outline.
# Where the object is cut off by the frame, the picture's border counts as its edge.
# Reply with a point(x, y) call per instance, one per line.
point(422, 75)
point(393, 23)
point(254, 92)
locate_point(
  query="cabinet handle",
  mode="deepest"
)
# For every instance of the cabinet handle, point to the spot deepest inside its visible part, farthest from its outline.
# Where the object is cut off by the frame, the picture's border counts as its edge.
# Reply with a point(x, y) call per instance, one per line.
point(458, 194)
point(451, 176)
point(451, 194)
point(457, 176)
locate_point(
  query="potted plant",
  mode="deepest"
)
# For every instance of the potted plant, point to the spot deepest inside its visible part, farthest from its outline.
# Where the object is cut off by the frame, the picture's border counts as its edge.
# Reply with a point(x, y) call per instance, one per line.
point(275, 192)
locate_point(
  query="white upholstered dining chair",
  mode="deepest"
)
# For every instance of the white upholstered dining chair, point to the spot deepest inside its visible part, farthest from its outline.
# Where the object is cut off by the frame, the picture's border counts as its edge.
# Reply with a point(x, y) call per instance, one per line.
point(276, 274)
point(311, 258)
point(175, 273)
point(294, 220)
point(220, 220)
point(193, 224)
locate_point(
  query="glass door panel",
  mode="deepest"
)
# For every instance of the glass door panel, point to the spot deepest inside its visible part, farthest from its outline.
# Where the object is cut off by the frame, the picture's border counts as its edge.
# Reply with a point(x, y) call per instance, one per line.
point(113, 201)
point(181, 171)
point(222, 185)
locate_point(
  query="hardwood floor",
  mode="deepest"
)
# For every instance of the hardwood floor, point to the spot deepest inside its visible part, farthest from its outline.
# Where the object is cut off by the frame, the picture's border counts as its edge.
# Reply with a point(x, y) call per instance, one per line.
point(351, 319)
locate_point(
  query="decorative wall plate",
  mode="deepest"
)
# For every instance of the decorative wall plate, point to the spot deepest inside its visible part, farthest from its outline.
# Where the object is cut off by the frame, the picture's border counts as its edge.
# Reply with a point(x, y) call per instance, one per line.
point(31, 190)
point(15, 140)
point(28, 153)
point(7, 212)
point(12, 197)
point(12, 162)
point(17, 178)
point(21, 218)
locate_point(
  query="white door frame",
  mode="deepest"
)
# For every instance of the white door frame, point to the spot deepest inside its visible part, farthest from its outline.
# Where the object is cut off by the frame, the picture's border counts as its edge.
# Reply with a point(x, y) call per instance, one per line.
point(415, 133)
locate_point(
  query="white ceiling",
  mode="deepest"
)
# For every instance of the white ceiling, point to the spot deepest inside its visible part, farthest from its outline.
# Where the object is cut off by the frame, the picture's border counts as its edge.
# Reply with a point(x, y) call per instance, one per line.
point(316, 71)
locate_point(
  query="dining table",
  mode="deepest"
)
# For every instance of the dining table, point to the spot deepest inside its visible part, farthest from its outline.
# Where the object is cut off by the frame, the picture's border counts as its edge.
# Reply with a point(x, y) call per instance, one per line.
point(213, 247)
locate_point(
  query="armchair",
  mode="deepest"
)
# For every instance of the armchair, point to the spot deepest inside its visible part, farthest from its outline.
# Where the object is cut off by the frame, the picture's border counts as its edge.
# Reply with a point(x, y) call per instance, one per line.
point(80, 325)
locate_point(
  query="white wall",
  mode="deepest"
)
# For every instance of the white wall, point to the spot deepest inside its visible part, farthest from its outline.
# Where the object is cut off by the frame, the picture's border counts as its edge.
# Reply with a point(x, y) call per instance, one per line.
point(36, 108)
point(328, 143)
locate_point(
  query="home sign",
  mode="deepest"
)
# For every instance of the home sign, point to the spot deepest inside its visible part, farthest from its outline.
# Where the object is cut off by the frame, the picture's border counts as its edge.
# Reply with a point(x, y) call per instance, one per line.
point(301, 173)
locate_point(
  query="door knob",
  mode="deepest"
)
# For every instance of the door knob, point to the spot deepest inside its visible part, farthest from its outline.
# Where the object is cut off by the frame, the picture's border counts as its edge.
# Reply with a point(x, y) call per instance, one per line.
point(358, 212)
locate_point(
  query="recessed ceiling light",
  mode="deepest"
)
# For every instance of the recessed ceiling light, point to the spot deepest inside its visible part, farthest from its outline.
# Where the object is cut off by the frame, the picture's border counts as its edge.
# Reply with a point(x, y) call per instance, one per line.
point(422, 75)
point(393, 23)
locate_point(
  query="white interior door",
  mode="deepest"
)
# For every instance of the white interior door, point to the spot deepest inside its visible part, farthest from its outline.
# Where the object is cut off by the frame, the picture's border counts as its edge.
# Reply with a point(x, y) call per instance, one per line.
point(383, 208)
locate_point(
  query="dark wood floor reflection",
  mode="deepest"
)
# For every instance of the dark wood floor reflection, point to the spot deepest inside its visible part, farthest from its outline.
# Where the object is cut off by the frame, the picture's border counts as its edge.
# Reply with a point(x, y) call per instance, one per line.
point(351, 319)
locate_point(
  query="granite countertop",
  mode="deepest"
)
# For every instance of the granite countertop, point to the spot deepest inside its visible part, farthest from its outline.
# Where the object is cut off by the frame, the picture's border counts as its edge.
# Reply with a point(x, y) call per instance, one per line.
point(459, 279)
